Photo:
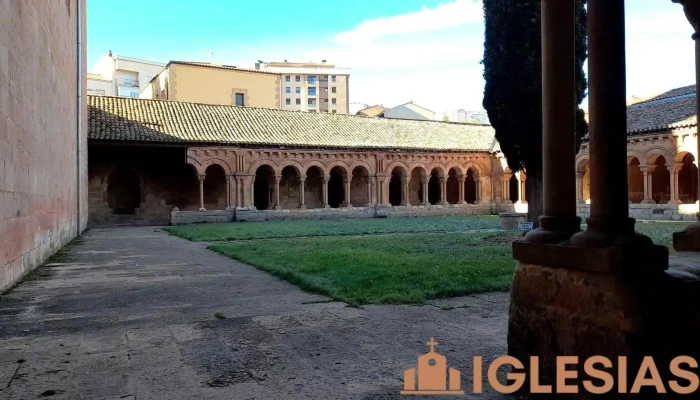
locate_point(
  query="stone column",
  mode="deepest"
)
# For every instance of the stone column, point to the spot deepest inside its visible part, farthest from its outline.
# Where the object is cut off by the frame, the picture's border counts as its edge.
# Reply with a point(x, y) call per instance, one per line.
point(276, 204)
point(302, 203)
point(579, 187)
point(521, 197)
point(477, 187)
point(443, 191)
point(506, 187)
point(404, 190)
point(675, 189)
point(201, 192)
point(558, 220)
point(248, 201)
point(346, 184)
point(369, 191)
point(460, 199)
point(647, 172)
point(382, 195)
point(424, 182)
point(325, 179)
point(229, 186)
point(523, 187)
point(609, 218)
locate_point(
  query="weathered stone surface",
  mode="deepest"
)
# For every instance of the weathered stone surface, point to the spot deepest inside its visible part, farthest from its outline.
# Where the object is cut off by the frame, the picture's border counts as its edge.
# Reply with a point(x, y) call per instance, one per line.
point(511, 220)
point(130, 314)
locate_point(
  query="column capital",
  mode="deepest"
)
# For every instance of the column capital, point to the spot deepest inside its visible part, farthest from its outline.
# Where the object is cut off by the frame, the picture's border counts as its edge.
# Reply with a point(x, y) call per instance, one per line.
point(677, 167)
point(580, 174)
point(442, 179)
point(201, 177)
point(325, 178)
point(650, 168)
point(301, 178)
point(424, 180)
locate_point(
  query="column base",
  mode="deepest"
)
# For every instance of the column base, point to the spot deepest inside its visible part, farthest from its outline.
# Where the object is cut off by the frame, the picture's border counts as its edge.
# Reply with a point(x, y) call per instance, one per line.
point(202, 209)
point(277, 207)
point(345, 205)
point(675, 201)
point(554, 229)
point(688, 239)
point(563, 310)
point(648, 201)
point(302, 206)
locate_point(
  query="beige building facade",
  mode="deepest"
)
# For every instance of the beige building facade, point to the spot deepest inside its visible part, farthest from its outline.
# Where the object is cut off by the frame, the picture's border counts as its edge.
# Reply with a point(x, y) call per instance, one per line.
point(214, 84)
point(43, 126)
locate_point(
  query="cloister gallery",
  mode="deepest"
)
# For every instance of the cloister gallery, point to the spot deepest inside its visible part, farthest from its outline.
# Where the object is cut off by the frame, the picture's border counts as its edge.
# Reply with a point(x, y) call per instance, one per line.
point(162, 162)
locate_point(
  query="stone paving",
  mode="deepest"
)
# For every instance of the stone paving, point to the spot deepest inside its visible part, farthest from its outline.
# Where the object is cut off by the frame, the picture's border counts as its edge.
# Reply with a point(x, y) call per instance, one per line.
point(129, 313)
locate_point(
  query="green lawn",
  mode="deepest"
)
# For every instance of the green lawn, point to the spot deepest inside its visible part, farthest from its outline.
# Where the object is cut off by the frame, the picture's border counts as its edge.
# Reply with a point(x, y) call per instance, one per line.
point(385, 269)
point(372, 261)
point(299, 228)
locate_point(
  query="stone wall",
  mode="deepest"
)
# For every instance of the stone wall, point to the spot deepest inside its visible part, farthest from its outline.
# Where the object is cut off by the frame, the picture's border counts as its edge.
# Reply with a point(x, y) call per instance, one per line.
point(249, 215)
point(40, 180)
point(662, 212)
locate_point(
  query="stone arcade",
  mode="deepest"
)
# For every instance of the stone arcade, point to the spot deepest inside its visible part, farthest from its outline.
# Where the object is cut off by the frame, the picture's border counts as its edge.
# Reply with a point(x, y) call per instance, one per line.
point(160, 162)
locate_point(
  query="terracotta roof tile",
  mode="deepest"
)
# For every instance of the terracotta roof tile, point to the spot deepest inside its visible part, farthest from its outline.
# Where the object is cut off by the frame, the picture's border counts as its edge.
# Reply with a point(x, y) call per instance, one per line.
point(129, 119)
point(673, 109)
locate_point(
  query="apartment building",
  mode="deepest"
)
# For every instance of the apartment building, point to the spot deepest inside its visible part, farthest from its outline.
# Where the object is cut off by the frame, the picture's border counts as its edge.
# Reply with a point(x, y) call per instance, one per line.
point(128, 75)
point(198, 82)
point(313, 87)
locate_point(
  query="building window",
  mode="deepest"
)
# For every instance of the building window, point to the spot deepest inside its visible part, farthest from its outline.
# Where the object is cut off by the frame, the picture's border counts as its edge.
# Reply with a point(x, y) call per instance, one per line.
point(286, 78)
point(288, 90)
point(288, 101)
point(312, 102)
point(298, 90)
point(240, 99)
point(324, 78)
point(312, 79)
point(333, 78)
point(324, 100)
point(312, 91)
point(333, 101)
point(334, 111)
point(297, 78)
point(134, 94)
point(333, 89)
point(298, 102)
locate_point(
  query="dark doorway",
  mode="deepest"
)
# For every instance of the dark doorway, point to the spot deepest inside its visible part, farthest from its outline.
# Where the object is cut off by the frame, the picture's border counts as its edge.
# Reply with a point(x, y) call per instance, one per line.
point(263, 187)
point(336, 187)
point(123, 191)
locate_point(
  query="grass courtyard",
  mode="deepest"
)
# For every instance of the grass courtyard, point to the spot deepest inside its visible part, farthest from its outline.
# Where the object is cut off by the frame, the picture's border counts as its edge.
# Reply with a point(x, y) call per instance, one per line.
point(374, 261)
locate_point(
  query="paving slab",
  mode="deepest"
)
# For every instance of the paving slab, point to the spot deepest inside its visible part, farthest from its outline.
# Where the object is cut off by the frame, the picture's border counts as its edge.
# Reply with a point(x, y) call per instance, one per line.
point(129, 313)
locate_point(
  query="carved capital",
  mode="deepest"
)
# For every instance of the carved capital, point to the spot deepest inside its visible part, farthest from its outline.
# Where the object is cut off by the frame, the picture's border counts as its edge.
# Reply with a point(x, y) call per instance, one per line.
point(201, 177)
point(677, 167)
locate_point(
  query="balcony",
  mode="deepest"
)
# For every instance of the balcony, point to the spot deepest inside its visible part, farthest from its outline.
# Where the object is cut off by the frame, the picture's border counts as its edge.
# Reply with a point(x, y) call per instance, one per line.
point(127, 82)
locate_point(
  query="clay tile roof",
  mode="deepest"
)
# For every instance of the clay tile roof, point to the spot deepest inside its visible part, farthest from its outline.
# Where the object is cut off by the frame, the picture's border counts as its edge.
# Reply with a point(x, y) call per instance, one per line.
point(373, 111)
point(675, 108)
point(130, 119)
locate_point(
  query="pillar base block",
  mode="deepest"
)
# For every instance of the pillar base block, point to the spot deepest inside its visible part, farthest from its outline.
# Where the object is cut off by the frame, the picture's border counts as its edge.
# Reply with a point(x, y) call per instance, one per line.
point(202, 209)
point(277, 207)
point(563, 310)
point(554, 229)
point(648, 201)
point(688, 239)
point(302, 207)
point(675, 201)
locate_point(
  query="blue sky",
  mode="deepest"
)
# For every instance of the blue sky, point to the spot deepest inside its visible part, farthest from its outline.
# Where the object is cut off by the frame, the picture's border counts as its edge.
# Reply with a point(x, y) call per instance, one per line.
point(427, 51)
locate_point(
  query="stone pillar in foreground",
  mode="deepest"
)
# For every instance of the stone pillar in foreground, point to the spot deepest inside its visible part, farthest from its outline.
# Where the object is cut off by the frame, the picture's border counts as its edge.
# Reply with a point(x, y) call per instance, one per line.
point(595, 292)
point(229, 187)
point(647, 172)
point(201, 192)
point(424, 181)
point(369, 191)
point(460, 199)
point(346, 192)
point(443, 191)
point(673, 172)
point(689, 239)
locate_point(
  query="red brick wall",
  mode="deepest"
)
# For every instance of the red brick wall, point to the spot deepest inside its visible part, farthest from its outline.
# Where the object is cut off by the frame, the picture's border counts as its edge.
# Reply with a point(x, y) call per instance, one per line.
point(38, 144)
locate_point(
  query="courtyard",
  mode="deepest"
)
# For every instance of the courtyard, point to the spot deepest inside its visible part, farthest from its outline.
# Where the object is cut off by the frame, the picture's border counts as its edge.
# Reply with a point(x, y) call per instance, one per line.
point(136, 312)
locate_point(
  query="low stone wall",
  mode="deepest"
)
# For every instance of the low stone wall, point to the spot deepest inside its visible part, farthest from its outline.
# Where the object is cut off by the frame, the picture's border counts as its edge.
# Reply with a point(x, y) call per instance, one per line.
point(661, 212)
point(252, 215)
point(195, 217)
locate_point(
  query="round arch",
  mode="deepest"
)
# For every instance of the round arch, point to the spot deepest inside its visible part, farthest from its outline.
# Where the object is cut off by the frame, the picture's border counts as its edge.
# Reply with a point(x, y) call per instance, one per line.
point(476, 167)
point(390, 167)
point(581, 164)
point(364, 164)
point(196, 165)
point(311, 164)
point(340, 164)
point(217, 161)
point(259, 163)
point(652, 154)
point(289, 163)
point(442, 171)
point(459, 169)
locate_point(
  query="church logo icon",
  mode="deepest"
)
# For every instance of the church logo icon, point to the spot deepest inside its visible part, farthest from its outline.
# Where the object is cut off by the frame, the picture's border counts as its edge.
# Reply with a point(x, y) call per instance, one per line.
point(431, 375)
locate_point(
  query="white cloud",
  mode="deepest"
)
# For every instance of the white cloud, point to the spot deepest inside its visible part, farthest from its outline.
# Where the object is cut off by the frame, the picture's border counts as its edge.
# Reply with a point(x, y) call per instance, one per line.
point(444, 16)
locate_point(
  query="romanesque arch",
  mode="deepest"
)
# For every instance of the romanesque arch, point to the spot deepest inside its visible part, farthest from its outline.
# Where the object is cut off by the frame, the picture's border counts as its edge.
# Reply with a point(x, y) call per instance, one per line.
point(216, 161)
point(687, 177)
point(660, 188)
point(437, 176)
point(336, 185)
point(360, 186)
point(290, 186)
point(454, 177)
point(313, 189)
point(396, 185)
point(416, 193)
point(264, 186)
point(470, 186)
point(635, 180)
point(214, 187)
point(260, 162)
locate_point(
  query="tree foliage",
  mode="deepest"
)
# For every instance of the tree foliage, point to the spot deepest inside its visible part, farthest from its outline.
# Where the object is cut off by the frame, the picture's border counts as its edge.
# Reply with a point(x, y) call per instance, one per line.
point(513, 74)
